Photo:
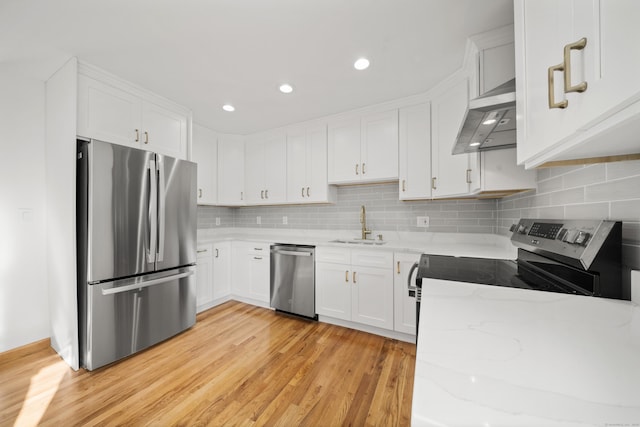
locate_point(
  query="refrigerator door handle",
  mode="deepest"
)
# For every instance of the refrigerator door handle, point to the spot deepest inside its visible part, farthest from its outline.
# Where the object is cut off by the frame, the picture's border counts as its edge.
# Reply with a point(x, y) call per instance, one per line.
point(162, 196)
point(153, 211)
point(145, 284)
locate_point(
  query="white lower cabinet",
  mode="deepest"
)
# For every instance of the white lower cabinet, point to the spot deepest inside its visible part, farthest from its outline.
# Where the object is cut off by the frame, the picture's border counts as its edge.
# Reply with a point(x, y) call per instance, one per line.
point(355, 285)
point(204, 277)
point(404, 301)
point(251, 266)
point(221, 270)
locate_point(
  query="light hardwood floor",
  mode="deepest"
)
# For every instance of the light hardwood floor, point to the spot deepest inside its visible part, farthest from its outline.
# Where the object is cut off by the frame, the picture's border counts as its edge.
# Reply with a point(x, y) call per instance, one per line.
point(239, 365)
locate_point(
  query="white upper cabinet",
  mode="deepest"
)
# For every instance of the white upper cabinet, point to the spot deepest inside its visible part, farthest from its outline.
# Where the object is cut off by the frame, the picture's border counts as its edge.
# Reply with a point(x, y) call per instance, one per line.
point(205, 154)
point(577, 67)
point(452, 175)
point(415, 152)
point(266, 169)
point(363, 149)
point(307, 165)
point(230, 171)
point(116, 112)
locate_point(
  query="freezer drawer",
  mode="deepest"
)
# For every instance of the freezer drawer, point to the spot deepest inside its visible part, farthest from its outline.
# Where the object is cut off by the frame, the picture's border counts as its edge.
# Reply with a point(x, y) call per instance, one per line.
point(293, 279)
point(129, 315)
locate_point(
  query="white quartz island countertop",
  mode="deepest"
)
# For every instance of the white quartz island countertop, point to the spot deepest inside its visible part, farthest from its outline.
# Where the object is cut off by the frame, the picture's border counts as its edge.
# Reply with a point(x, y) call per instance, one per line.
point(489, 356)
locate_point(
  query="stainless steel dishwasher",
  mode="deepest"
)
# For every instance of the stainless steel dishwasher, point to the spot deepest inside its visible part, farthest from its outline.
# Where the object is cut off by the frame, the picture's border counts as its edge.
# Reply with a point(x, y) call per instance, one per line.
point(293, 279)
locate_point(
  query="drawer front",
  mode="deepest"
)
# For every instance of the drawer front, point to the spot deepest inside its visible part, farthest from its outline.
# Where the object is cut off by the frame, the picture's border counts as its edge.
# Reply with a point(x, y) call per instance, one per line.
point(334, 255)
point(372, 258)
point(256, 248)
point(205, 251)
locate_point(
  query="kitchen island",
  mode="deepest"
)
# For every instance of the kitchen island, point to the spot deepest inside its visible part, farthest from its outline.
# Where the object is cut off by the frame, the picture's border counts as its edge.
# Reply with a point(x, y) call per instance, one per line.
point(492, 356)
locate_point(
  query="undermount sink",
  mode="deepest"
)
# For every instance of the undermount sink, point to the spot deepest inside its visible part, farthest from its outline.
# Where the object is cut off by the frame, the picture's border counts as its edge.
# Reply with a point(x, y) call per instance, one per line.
point(359, 241)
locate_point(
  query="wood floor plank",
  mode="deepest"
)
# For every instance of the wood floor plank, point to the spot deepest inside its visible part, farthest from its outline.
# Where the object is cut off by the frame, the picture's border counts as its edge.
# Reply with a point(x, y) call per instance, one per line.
point(239, 365)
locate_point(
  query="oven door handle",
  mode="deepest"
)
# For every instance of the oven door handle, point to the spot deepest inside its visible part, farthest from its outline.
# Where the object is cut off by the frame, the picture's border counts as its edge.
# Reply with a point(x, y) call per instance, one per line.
point(409, 285)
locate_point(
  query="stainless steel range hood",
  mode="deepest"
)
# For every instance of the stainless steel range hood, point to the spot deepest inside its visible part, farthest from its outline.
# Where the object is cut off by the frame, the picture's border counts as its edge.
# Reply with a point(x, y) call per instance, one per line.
point(490, 122)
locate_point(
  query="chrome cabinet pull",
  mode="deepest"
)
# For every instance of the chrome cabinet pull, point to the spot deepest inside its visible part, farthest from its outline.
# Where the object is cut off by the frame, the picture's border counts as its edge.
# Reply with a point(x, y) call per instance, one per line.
point(357, 169)
point(146, 137)
point(582, 86)
point(137, 135)
point(308, 195)
point(354, 277)
point(433, 183)
point(346, 276)
point(398, 267)
point(552, 102)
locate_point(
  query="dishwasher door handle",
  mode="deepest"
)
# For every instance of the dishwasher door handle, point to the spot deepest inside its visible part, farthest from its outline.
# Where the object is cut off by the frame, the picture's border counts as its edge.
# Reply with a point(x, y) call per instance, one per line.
point(294, 253)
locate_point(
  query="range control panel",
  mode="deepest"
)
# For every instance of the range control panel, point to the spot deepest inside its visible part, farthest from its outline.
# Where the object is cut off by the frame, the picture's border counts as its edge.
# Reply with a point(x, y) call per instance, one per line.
point(555, 231)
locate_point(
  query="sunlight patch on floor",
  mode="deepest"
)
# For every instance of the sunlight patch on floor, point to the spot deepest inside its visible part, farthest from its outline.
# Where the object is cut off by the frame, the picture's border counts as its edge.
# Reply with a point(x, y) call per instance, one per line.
point(42, 389)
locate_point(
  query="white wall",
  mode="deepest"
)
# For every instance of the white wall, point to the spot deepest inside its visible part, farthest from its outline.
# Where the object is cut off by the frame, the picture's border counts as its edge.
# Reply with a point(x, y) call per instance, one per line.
point(24, 310)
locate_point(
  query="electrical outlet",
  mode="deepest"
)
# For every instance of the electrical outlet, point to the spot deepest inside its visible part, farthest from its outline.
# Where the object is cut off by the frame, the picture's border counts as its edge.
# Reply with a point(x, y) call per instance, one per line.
point(258, 220)
point(217, 221)
point(422, 221)
point(285, 220)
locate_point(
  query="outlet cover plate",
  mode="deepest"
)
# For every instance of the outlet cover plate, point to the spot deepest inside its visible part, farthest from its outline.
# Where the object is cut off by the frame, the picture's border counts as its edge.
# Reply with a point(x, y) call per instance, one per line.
point(422, 221)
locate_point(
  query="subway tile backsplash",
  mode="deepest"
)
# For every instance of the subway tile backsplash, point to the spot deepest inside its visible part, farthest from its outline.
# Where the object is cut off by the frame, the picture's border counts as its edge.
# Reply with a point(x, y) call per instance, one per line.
point(599, 191)
point(384, 212)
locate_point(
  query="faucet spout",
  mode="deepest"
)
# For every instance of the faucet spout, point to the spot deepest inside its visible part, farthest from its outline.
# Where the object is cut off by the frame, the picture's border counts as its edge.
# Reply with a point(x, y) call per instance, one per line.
point(363, 221)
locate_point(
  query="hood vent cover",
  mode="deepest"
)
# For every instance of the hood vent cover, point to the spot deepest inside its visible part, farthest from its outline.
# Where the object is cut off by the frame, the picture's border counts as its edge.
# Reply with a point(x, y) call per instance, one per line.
point(490, 122)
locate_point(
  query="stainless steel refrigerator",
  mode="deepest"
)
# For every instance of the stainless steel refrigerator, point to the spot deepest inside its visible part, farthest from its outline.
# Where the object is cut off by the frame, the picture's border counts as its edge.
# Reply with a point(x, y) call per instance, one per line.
point(136, 216)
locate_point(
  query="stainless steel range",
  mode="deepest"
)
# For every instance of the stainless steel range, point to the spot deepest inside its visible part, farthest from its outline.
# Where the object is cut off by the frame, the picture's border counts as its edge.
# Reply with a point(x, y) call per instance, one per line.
point(581, 257)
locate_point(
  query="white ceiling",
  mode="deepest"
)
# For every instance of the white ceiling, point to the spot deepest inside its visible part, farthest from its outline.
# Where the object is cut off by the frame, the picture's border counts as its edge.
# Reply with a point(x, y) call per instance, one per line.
point(204, 53)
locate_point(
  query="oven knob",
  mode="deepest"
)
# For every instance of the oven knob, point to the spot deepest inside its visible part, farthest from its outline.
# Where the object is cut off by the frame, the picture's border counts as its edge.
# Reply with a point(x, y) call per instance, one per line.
point(570, 236)
point(562, 234)
point(522, 229)
point(582, 238)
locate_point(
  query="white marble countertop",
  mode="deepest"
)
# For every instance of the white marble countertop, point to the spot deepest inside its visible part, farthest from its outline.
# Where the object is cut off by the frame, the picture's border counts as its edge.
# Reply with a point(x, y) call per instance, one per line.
point(455, 244)
point(490, 356)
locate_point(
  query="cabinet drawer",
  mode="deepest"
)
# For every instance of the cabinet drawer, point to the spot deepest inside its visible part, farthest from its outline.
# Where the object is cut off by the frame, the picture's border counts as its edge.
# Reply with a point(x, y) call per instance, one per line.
point(205, 251)
point(372, 259)
point(255, 248)
point(334, 255)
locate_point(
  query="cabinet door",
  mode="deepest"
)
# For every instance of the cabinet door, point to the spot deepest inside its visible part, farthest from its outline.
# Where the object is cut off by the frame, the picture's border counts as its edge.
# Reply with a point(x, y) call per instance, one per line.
point(379, 146)
point(254, 183)
point(221, 269)
point(297, 165)
point(317, 188)
point(344, 151)
point(547, 24)
point(230, 171)
point(275, 169)
point(415, 152)
point(108, 114)
point(240, 273)
point(333, 290)
point(258, 266)
point(205, 154)
point(204, 278)
point(372, 296)
point(404, 312)
point(450, 173)
point(164, 130)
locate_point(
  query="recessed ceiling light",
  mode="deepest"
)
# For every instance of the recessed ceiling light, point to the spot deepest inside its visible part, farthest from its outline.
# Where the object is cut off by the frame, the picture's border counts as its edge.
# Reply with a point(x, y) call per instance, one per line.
point(491, 118)
point(361, 64)
point(489, 122)
point(228, 107)
point(474, 144)
point(286, 88)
